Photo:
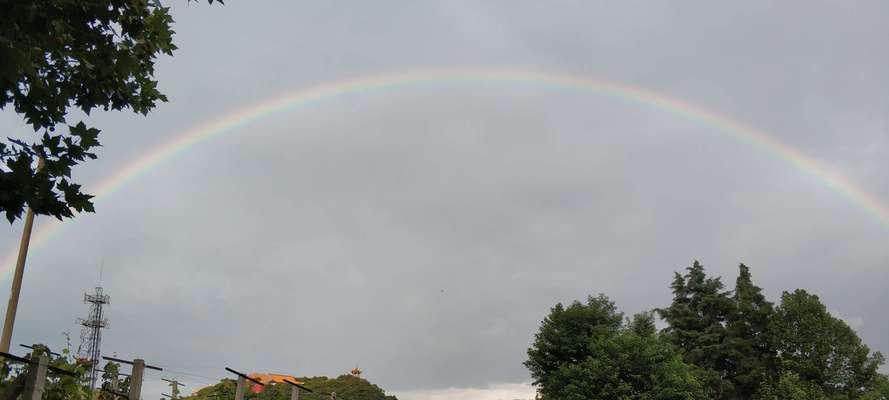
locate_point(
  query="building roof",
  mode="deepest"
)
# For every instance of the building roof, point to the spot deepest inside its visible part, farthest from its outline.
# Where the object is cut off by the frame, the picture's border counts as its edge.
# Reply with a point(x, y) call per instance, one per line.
point(266, 378)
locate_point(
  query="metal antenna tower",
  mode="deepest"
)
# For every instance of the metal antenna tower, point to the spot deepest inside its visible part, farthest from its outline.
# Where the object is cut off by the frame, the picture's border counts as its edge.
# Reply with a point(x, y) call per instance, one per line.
point(91, 333)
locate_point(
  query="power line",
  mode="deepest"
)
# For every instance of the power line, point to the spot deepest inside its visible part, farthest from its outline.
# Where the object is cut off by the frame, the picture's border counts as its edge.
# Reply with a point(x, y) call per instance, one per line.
point(201, 378)
point(174, 387)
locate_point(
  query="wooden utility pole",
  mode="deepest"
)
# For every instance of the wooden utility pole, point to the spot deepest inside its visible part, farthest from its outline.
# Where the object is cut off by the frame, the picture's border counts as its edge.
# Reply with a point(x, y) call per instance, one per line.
point(174, 387)
point(16, 288)
point(239, 391)
point(294, 390)
point(242, 383)
point(135, 392)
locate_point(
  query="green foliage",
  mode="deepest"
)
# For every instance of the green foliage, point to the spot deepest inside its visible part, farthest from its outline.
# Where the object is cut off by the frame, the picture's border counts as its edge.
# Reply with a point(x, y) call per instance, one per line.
point(111, 382)
point(58, 55)
point(751, 357)
point(790, 387)
point(566, 332)
point(58, 387)
point(584, 351)
point(697, 321)
point(880, 389)
point(225, 389)
point(346, 387)
point(732, 345)
point(821, 349)
point(748, 347)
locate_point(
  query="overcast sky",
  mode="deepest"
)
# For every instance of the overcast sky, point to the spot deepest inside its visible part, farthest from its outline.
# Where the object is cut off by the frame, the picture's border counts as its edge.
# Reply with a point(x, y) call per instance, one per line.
point(422, 233)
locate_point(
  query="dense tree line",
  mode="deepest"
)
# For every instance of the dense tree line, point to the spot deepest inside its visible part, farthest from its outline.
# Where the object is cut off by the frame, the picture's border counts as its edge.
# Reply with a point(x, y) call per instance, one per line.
point(346, 387)
point(76, 387)
point(717, 344)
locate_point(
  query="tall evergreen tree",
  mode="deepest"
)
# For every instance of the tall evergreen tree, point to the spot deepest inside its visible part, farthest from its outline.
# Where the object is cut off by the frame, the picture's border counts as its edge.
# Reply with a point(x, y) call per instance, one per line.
point(697, 321)
point(749, 350)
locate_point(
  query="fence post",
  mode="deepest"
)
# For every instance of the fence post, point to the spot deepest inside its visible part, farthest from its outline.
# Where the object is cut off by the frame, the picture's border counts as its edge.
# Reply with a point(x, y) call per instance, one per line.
point(239, 391)
point(136, 379)
point(36, 379)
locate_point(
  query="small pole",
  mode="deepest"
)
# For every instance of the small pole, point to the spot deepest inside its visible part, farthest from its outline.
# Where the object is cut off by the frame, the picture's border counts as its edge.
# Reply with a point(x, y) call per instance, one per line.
point(136, 375)
point(242, 383)
point(136, 379)
point(239, 391)
point(114, 384)
point(174, 387)
point(36, 379)
point(294, 393)
point(16, 289)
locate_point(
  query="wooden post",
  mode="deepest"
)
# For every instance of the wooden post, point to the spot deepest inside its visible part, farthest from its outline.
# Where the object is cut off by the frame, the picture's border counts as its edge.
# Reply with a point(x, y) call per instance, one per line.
point(36, 378)
point(239, 391)
point(136, 379)
point(16, 289)
point(294, 393)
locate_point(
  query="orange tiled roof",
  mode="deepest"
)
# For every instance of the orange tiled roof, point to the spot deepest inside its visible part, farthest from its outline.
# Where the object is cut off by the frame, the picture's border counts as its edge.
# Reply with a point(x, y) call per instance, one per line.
point(277, 378)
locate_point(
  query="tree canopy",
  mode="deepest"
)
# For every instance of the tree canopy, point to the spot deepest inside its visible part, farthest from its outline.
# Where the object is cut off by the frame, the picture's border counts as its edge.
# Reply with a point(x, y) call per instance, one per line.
point(820, 349)
point(347, 387)
point(586, 351)
point(58, 386)
point(717, 344)
point(62, 55)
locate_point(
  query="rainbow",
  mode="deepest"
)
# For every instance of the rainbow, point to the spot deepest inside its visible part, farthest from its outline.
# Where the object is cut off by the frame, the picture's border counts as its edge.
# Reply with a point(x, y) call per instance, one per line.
point(233, 120)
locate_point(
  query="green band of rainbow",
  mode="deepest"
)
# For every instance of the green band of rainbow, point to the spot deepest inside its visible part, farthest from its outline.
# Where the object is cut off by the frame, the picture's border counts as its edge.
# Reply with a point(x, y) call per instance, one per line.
point(185, 140)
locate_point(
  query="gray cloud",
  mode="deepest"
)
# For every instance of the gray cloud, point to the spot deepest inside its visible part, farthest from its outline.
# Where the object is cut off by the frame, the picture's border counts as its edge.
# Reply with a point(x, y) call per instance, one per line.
point(423, 233)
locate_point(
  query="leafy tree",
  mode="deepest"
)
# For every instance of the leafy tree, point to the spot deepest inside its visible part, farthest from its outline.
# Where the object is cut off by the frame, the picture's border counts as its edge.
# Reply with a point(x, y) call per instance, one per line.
point(345, 386)
point(790, 387)
point(225, 389)
point(59, 55)
point(57, 387)
point(697, 320)
point(880, 389)
point(585, 352)
point(733, 345)
point(348, 387)
point(565, 334)
point(111, 382)
point(750, 349)
point(821, 349)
